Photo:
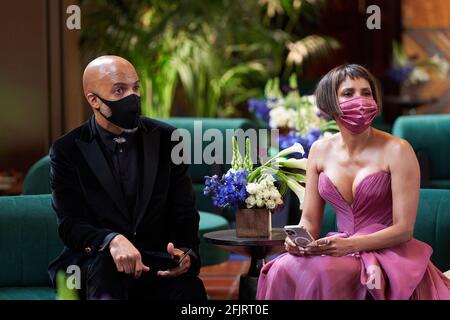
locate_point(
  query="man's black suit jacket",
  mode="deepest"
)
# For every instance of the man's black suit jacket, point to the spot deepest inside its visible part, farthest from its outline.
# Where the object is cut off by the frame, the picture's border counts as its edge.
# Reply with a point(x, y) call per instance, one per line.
point(89, 205)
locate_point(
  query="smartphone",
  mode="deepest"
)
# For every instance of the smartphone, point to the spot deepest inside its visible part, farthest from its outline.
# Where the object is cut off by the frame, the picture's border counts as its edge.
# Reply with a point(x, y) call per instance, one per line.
point(161, 261)
point(184, 255)
point(298, 234)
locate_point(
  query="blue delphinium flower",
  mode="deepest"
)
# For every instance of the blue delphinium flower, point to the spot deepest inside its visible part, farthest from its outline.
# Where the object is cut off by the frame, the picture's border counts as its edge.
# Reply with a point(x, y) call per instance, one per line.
point(230, 190)
point(310, 138)
point(400, 73)
point(260, 109)
point(287, 140)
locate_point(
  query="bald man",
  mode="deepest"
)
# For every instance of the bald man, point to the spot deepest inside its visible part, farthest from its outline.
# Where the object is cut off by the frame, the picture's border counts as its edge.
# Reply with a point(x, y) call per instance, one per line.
point(125, 211)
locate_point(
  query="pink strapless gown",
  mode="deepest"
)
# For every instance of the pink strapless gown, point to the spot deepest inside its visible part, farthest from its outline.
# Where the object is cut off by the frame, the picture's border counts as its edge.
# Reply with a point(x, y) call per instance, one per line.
point(401, 272)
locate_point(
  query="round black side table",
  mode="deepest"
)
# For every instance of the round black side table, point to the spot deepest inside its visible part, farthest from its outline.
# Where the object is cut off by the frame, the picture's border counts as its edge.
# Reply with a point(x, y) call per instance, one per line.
point(258, 249)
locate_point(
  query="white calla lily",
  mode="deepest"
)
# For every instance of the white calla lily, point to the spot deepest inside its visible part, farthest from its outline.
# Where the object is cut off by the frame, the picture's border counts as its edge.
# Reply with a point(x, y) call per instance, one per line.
point(298, 189)
point(296, 147)
point(294, 163)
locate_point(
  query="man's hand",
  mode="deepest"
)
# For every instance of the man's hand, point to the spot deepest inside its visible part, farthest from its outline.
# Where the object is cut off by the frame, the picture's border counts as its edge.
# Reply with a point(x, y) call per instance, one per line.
point(126, 257)
point(182, 268)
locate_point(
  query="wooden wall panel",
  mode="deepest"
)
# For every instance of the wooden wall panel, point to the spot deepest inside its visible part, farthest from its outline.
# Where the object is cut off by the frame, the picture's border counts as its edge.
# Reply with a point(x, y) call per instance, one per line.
point(75, 110)
point(425, 14)
point(40, 80)
point(24, 81)
point(426, 33)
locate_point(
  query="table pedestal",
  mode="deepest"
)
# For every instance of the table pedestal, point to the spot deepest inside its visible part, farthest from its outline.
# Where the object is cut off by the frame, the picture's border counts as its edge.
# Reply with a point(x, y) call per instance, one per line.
point(247, 287)
point(258, 249)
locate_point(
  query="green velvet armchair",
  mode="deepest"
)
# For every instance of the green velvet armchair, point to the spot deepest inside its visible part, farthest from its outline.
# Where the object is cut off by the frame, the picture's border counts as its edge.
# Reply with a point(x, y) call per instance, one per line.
point(429, 136)
point(37, 179)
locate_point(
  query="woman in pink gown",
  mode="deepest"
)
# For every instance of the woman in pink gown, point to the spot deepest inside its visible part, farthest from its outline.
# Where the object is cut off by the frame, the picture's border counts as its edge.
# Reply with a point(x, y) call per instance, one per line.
point(372, 181)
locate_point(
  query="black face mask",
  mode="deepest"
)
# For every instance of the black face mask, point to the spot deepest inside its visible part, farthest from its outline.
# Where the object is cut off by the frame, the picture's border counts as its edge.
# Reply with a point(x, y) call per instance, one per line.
point(125, 112)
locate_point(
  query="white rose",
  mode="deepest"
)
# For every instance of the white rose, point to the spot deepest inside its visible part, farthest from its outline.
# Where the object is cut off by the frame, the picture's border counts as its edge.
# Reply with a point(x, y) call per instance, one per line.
point(266, 194)
point(252, 188)
point(259, 202)
point(250, 200)
point(291, 118)
point(275, 194)
point(279, 117)
point(270, 204)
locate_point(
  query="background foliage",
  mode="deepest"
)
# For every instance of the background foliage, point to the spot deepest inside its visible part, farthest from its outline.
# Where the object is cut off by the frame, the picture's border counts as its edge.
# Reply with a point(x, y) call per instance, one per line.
point(214, 54)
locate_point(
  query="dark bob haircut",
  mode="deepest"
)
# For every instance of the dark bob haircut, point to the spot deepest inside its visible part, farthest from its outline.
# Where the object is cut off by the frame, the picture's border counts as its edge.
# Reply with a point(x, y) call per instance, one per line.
point(326, 91)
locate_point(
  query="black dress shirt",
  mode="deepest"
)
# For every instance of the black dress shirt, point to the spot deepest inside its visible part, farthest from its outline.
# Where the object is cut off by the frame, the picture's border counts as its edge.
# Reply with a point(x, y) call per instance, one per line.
point(121, 153)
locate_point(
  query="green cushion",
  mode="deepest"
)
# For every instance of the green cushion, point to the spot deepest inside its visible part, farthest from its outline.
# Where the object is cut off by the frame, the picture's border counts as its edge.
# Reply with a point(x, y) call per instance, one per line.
point(28, 240)
point(200, 170)
point(27, 293)
point(432, 224)
point(428, 134)
point(328, 220)
point(211, 254)
point(37, 179)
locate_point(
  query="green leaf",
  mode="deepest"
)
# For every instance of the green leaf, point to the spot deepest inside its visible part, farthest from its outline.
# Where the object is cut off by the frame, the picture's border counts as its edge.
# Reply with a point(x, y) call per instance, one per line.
point(248, 162)
point(293, 82)
point(236, 161)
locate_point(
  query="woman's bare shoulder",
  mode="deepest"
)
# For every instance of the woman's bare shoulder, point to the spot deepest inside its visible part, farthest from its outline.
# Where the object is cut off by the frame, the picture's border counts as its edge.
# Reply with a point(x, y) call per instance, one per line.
point(320, 148)
point(324, 143)
point(392, 144)
point(397, 151)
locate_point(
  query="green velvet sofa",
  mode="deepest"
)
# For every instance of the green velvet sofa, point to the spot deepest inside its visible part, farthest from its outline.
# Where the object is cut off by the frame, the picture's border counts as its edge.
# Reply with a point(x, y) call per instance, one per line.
point(429, 135)
point(29, 241)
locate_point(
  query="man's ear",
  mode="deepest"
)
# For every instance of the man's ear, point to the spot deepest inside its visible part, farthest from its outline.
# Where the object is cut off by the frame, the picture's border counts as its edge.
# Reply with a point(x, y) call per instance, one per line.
point(93, 100)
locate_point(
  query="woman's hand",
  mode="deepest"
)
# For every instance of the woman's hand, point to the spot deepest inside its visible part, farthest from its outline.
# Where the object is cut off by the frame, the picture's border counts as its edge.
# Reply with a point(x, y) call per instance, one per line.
point(292, 248)
point(330, 246)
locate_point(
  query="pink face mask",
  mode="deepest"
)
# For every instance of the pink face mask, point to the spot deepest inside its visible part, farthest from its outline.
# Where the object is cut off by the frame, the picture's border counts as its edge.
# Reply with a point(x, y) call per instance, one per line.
point(358, 113)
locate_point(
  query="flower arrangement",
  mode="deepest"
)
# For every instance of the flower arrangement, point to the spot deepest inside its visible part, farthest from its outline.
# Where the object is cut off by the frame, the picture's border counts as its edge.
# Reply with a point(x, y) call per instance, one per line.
point(263, 187)
point(412, 71)
point(297, 117)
